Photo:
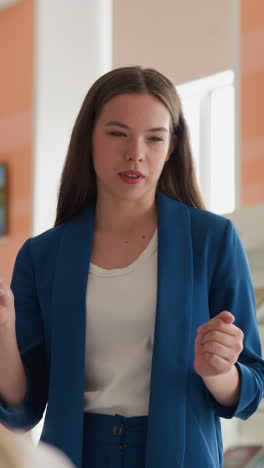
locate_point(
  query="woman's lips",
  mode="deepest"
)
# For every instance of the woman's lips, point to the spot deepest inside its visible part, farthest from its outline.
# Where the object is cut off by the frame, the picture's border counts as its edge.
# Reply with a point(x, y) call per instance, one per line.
point(130, 180)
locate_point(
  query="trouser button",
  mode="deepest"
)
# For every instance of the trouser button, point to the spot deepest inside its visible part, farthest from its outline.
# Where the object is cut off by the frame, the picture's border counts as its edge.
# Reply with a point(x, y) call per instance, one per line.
point(122, 447)
point(118, 430)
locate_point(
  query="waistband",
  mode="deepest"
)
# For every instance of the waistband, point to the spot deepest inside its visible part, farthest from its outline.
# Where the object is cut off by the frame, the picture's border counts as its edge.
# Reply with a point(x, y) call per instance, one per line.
point(115, 428)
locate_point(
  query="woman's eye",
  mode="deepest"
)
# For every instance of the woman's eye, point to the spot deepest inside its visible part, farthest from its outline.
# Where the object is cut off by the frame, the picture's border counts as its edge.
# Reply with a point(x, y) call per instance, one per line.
point(154, 138)
point(116, 133)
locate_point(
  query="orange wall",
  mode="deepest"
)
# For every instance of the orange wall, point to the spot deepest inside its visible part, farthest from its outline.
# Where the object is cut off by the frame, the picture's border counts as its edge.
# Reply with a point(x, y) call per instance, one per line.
point(16, 130)
point(252, 102)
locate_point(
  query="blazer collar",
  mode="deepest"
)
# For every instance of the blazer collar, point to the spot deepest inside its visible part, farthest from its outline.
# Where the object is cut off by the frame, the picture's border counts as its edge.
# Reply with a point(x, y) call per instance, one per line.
point(167, 404)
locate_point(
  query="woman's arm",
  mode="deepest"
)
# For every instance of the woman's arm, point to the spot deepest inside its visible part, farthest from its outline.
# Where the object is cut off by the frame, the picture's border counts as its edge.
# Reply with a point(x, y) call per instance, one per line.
point(238, 389)
point(13, 378)
point(30, 343)
point(225, 388)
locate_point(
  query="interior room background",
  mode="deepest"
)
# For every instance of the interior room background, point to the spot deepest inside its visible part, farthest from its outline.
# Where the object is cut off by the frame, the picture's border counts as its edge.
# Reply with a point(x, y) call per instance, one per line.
point(51, 52)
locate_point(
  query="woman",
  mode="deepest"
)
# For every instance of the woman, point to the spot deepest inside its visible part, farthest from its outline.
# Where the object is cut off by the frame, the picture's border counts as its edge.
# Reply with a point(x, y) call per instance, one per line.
point(138, 364)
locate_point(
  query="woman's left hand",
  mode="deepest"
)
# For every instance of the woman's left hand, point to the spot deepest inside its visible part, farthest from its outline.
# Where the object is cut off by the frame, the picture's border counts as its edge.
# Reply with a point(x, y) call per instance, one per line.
point(218, 345)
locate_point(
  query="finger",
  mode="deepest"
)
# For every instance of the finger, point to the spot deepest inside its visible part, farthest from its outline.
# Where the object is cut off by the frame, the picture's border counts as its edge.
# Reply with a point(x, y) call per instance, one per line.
point(6, 295)
point(220, 365)
point(225, 316)
point(3, 284)
point(233, 342)
point(2, 296)
point(219, 337)
point(218, 325)
point(220, 350)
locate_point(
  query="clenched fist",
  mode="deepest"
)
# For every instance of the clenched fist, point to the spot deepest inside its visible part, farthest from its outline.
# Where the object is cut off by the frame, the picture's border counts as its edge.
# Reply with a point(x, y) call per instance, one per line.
point(7, 309)
point(217, 346)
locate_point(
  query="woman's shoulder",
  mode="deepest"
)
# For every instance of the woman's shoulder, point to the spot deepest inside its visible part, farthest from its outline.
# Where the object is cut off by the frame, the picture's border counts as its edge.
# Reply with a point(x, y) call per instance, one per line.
point(200, 219)
point(209, 230)
point(47, 242)
point(56, 231)
point(48, 236)
point(207, 219)
point(214, 231)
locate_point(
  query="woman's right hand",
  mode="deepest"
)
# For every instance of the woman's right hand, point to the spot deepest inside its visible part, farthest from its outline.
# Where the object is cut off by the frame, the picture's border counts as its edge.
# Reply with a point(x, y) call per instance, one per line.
point(7, 308)
point(13, 382)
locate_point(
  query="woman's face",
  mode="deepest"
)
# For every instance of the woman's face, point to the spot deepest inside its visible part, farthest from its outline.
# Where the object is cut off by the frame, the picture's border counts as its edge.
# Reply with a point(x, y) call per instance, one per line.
point(132, 133)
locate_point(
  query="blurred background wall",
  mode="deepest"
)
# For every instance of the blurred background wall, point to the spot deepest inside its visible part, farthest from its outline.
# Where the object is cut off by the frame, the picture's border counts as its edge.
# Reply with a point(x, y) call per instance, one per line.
point(16, 124)
point(186, 40)
point(252, 102)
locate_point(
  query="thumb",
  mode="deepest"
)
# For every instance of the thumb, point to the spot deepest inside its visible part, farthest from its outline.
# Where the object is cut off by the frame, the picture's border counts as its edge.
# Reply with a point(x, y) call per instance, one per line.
point(226, 316)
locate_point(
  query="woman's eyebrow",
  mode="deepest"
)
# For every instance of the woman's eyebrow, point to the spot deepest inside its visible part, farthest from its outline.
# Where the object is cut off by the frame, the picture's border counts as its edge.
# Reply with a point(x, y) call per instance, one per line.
point(116, 123)
point(122, 125)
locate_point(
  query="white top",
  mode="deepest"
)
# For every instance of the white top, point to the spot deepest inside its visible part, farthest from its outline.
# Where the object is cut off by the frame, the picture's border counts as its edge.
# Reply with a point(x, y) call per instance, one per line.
point(121, 311)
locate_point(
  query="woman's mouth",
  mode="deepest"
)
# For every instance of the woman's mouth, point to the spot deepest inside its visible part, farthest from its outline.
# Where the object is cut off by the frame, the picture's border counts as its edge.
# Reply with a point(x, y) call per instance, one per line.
point(131, 179)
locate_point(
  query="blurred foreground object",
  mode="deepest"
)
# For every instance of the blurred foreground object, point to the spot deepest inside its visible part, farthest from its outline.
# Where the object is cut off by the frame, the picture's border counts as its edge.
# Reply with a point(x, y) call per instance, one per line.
point(17, 450)
point(244, 456)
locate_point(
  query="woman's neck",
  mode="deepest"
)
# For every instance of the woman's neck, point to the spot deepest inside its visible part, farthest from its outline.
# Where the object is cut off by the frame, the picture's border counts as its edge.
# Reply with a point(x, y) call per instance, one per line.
point(124, 219)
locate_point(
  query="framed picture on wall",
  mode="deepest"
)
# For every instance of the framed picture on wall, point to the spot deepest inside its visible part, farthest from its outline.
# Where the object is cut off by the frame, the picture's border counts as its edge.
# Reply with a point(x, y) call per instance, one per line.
point(3, 199)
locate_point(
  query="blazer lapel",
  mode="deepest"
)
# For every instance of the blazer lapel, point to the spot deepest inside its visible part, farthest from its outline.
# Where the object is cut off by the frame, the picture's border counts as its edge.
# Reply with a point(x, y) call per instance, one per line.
point(66, 398)
point(167, 405)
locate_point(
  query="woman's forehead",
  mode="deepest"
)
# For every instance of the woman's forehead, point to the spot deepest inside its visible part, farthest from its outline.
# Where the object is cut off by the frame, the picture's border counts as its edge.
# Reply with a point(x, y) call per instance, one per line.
point(140, 107)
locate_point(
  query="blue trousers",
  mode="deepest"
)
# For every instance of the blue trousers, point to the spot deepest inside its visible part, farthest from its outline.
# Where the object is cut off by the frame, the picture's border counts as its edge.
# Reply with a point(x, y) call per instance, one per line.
point(114, 441)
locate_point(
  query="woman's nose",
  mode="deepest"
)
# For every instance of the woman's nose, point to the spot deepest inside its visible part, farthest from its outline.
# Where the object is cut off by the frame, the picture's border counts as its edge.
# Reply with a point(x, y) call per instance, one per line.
point(136, 157)
point(134, 151)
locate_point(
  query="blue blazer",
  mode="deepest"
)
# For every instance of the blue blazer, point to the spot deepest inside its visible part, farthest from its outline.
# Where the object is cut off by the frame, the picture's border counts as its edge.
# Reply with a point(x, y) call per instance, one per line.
point(202, 270)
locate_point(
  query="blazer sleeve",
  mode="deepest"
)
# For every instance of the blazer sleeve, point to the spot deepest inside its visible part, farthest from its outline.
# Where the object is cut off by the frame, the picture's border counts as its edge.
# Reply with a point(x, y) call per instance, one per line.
point(30, 338)
point(232, 289)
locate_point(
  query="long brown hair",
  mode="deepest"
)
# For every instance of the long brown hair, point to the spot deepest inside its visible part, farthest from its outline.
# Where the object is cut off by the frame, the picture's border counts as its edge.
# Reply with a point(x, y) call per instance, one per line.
point(78, 180)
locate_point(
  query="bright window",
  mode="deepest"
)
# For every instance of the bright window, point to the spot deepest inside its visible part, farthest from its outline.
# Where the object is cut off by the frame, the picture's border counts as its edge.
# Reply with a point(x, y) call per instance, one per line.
point(208, 106)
